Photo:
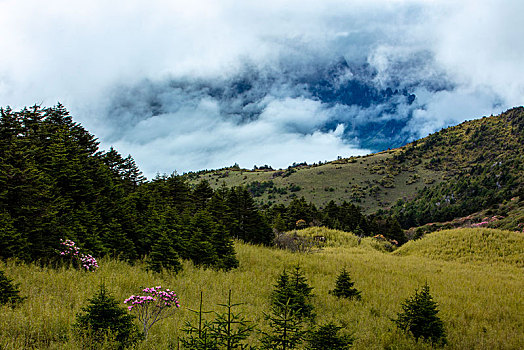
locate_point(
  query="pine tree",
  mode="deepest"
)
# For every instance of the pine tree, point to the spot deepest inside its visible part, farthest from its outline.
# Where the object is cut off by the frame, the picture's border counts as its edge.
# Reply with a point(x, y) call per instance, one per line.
point(326, 338)
point(344, 287)
point(199, 337)
point(287, 329)
point(293, 292)
point(104, 318)
point(230, 329)
point(163, 255)
point(9, 293)
point(419, 316)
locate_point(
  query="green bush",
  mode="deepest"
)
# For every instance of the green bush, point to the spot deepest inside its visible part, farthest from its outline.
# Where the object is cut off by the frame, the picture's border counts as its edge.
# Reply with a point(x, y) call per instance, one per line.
point(9, 293)
point(103, 321)
point(419, 317)
point(344, 287)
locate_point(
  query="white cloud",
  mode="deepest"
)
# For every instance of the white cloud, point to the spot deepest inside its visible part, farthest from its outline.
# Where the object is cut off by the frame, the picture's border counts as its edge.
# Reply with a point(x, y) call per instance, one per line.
point(85, 54)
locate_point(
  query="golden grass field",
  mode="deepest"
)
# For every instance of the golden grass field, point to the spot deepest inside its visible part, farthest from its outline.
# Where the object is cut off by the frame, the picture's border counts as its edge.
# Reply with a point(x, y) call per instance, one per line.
point(475, 275)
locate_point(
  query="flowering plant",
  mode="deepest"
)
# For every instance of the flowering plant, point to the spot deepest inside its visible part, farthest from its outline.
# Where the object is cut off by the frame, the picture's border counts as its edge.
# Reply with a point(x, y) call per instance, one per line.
point(69, 249)
point(153, 307)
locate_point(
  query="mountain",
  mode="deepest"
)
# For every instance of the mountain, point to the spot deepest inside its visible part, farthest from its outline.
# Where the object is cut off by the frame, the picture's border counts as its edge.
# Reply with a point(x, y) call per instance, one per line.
point(451, 173)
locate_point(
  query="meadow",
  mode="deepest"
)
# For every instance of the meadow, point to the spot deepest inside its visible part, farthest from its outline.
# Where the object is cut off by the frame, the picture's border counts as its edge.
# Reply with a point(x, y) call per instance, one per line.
point(475, 276)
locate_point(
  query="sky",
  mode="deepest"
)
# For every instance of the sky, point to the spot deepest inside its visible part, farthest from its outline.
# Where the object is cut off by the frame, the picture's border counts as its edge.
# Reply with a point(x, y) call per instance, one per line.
point(203, 84)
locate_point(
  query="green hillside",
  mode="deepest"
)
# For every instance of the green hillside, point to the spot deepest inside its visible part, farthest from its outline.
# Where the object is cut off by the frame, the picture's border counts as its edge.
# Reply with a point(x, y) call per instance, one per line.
point(452, 173)
point(479, 300)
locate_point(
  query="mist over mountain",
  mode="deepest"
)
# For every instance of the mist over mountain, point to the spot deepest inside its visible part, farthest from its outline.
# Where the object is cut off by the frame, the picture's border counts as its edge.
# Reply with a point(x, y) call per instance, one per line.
point(204, 85)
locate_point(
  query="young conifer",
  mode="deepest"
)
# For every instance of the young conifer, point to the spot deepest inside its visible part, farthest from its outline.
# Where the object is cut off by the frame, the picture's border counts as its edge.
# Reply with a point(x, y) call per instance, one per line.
point(9, 293)
point(102, 320)
point(287, 329)
point(326, 337)
point(344, 287)
point(419, 317)
point(294, 292)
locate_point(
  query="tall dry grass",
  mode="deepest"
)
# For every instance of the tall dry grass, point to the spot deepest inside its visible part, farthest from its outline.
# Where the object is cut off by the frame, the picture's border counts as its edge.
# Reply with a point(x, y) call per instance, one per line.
point(480, 301)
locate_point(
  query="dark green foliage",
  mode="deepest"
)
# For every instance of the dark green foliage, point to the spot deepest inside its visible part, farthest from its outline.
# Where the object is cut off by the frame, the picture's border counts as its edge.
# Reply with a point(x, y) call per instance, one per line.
point(287, 329)
point(104, 317)
point(326, 337)
point(56, 183)
point(419, 317)
point(163, 255)
point(210, 244)
point(344, 287)
point(230, 329)
point(9, 293)
point(293, 292)
point(245, 221)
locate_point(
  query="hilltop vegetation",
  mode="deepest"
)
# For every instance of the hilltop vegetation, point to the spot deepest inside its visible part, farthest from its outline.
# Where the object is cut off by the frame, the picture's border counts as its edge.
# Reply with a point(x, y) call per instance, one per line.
point(479, 299)
point(453, 173)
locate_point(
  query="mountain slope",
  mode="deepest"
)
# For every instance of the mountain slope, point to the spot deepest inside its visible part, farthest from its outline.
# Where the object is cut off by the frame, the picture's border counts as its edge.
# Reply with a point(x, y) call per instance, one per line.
point(451, 173)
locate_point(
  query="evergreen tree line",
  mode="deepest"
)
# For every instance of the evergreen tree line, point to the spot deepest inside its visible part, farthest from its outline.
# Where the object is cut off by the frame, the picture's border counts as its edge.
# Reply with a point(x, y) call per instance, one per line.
point(55, 183)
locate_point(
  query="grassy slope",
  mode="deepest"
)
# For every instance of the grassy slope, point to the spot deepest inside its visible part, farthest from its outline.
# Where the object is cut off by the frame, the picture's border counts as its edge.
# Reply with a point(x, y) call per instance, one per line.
point(380, 179)
point(480, 301)
point(340, 180)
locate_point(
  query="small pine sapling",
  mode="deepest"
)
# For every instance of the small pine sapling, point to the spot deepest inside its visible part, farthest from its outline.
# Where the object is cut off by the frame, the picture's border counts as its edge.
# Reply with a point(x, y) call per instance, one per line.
point(230, 329)
point(287, 329)
point(326, 337)
point(344, 287)
point(199, 337)
point(419, 317)
point(9, 293)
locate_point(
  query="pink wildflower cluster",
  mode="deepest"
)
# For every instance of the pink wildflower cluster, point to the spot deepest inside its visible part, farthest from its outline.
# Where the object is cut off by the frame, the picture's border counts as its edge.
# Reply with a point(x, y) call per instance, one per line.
point(69, 248)
point(161, 298)
point(156, 305)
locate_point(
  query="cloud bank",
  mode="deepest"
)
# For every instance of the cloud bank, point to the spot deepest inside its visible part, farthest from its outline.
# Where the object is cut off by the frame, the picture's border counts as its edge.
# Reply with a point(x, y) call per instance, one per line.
point(204, 84)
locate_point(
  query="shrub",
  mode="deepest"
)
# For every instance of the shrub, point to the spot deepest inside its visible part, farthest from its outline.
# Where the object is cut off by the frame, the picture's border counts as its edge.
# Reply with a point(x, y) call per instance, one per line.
point(419, 317)
point(155, 306)
point(9, 293)
point(78, 259)
point(103, 319)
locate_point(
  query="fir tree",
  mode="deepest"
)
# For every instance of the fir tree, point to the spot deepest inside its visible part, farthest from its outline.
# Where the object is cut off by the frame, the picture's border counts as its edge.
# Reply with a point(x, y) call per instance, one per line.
point(293, 292)
point(9, 293)
point(230, 329)
point(419, 317)
point(287, 329)
point(326, 338)
point(104, 318)
point(199, 337)
point(344, 287)
point(163, 255)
